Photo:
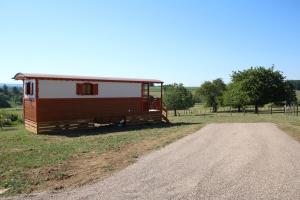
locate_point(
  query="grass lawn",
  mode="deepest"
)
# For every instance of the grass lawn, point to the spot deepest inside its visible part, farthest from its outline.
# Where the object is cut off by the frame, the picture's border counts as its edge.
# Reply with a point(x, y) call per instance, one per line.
point(36, 162)
point(31, 162)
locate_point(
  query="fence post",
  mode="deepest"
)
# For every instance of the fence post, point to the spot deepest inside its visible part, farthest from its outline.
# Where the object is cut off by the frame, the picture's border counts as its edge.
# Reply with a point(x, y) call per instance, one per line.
point(271, 110)
point(294, 110)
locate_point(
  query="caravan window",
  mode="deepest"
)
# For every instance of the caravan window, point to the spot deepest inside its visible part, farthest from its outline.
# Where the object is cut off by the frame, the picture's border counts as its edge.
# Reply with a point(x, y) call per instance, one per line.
point(29, 88)
point(145, 89)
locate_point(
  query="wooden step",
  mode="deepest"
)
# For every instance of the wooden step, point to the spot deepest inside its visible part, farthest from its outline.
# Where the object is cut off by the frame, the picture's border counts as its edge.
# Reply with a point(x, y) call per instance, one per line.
point(165, 118)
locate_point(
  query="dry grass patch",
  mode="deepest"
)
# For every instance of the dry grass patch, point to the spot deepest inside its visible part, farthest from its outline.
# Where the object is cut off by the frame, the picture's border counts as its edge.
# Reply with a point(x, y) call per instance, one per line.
point(89, 167)
point(292, 129)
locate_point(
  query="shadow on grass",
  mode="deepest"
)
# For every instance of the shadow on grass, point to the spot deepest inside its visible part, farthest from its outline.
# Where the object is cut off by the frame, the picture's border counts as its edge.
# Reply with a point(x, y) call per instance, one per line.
point(114, 129)
point(252, 112)
point(205, 114)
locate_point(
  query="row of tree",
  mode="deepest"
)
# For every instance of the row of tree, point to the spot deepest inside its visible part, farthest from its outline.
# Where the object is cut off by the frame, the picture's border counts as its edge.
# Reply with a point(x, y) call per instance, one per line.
point(295, 83)
point(10, 96)
point(255, 86)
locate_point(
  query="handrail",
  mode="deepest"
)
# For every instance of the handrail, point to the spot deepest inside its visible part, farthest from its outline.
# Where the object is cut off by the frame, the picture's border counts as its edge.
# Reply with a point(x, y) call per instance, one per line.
point(164, 111)
point(155, 103)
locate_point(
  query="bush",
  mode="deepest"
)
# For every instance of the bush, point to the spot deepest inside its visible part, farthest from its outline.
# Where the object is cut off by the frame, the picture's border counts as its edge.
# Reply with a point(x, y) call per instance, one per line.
point(4, 103)
point(2, 119)
point(7, 122)
point(12, 117)
point(8, 119)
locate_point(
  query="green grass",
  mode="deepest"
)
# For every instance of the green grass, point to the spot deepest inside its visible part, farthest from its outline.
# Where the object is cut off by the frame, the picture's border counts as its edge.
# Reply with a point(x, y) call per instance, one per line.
point(22, 153)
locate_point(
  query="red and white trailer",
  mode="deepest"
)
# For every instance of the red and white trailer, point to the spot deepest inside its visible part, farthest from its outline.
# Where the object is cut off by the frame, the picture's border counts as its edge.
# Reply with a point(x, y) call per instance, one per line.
point(58, 102)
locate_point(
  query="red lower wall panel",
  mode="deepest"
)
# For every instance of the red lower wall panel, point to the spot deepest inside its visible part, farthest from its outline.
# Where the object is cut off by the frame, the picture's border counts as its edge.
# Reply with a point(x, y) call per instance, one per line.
point(30, 109)
point(70, 109)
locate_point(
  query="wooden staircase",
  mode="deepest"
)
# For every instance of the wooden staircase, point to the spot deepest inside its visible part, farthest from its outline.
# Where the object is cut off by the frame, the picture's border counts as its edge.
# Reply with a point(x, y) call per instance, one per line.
point(149, 117)
point(165, 115)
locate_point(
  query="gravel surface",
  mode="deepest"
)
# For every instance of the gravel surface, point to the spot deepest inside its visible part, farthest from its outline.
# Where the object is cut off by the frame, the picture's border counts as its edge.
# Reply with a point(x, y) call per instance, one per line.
point(220, 161)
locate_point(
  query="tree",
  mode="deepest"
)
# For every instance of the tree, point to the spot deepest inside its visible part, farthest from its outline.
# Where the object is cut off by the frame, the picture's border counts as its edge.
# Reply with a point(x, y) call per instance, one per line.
point(5, 89)
point(290, 93)
point(15, 90)
point(261, 85)
point(176, 97)
point(296, 84)
point(197, 97)
point(235, 96)
point(212, 93)
point(10, 95)
point(4, 101)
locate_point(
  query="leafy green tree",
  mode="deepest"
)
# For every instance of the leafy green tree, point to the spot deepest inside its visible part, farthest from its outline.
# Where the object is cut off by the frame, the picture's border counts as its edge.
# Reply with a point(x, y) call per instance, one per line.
point(5, 89)
point(212, 93)
point(290, 93)
point(296, 84)
point(10, 96)
point(197, 97)
point(15, 91)
point(176, 97)
point(4, 101)
point(235, 96)
point(262, 85)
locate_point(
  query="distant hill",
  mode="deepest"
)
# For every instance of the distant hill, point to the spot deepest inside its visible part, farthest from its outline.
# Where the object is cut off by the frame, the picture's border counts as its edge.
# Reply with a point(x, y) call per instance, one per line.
point(10, 85)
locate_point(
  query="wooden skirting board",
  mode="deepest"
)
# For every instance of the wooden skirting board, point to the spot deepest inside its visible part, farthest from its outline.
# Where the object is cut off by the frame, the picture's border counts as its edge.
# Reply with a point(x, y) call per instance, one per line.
point(31, 126)
point(151, 117)
point(47, 127)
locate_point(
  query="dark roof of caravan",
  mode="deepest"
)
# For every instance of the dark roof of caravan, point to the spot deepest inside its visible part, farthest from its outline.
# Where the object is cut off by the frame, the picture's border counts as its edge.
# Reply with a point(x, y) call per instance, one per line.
point(23, 76)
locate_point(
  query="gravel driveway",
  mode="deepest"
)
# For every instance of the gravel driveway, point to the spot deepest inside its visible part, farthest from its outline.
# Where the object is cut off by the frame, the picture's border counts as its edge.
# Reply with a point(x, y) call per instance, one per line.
point(220, 161)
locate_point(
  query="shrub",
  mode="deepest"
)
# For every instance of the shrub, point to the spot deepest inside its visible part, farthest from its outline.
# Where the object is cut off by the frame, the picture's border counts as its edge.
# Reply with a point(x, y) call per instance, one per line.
point(12, 117)
point(7, 119)
point(4, 103)
point(7, 122)
point(1, 121)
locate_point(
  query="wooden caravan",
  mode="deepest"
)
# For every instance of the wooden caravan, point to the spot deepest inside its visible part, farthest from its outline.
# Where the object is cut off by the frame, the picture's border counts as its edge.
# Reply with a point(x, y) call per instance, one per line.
point(57, 102)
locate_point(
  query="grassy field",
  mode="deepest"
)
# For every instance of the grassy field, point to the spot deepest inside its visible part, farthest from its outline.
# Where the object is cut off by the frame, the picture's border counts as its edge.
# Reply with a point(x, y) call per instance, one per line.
point(31, 162)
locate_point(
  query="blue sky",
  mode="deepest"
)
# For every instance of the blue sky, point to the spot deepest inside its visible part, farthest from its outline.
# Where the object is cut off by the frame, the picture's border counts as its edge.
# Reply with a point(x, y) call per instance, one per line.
point(175, 41)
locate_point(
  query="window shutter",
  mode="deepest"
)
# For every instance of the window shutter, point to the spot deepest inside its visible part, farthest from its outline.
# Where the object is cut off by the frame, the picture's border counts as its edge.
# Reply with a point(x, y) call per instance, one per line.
point(78, 89)
point(95, 89)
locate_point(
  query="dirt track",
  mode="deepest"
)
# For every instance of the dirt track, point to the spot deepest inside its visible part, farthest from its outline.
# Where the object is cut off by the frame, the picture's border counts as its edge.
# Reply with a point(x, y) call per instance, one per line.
point(221, 161)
